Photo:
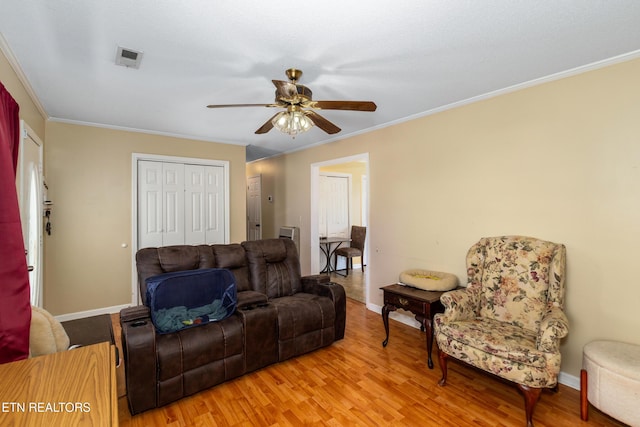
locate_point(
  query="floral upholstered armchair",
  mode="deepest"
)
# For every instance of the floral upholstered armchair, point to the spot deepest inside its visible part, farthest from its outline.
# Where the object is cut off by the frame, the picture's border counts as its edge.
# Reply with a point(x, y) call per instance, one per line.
point(510, 319)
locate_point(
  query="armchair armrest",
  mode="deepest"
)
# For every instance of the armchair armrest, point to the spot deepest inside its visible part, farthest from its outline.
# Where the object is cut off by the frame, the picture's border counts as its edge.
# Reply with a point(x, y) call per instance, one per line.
point(139, 348)
point(459, 304)
point(553, 326)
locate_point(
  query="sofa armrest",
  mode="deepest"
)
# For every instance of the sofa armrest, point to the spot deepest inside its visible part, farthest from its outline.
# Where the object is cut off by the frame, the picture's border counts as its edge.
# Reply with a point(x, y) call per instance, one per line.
point(316, 278)
point(318, 285)
point(459, 304)
point(131, 314)
point(553, 327)
point(139, 351)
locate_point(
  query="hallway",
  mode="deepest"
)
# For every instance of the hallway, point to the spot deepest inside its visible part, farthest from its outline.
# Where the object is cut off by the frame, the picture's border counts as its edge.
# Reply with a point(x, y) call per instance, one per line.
point(355, 284)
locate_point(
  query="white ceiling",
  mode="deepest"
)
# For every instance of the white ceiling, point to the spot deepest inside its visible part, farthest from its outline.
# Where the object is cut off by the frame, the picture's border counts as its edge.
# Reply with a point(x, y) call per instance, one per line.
point(410, 57)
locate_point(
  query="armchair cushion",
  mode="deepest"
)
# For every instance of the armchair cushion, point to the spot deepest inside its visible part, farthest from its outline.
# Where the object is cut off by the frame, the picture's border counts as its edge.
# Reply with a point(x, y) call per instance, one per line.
point(515, 279)
point(499, 339)
point(501, 349)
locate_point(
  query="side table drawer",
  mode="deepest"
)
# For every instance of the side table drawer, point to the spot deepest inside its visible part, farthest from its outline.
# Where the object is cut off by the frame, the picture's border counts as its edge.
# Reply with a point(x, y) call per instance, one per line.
point(405, 303)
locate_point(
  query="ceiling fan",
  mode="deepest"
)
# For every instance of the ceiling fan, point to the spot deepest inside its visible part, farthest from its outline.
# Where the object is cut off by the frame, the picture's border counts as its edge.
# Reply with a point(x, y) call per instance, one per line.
point(300, 114)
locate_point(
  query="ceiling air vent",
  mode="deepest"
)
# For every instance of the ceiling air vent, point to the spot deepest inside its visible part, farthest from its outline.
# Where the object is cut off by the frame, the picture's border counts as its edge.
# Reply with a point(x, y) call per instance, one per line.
point(128, 57)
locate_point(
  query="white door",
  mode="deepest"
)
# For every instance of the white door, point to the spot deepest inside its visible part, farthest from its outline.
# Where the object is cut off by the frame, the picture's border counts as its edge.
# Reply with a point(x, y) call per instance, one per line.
point(204, 201)
point(194, 196)
point(214, 205)
point(254, 208)
point(334, 206)
point(30, 190)
point(173, 204)
point(160, 204)
point(150, 212)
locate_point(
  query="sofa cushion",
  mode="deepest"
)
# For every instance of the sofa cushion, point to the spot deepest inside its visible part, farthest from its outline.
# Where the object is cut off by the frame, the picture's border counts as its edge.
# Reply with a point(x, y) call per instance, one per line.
point(274, 267)
point(185, 299)
point(306, 322)
point(232, 258)
point(154, 261)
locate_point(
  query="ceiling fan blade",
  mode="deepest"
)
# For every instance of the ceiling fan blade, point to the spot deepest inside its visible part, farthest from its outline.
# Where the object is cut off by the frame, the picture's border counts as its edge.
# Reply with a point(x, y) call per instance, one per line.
point(267, 126)
point(342, 105)
point(243, 105)
point(322, 123)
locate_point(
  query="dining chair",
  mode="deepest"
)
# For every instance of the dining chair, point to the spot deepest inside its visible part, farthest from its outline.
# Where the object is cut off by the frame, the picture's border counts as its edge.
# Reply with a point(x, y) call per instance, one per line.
point(356, 249)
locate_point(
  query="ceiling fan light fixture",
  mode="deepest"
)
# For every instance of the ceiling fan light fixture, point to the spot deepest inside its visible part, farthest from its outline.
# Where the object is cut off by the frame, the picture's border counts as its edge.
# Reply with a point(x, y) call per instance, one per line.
point(292, 122)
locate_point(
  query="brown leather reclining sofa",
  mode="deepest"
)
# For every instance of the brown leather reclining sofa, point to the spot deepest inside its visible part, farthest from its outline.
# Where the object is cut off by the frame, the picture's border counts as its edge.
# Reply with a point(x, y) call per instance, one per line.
point(279, 315)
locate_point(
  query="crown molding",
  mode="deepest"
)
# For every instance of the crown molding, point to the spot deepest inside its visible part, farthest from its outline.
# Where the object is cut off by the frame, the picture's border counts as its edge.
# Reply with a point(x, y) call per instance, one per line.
point(15, 65)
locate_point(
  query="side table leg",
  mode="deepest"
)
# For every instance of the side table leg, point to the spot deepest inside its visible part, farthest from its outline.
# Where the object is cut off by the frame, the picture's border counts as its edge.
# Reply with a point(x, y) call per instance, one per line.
point(428, 325)
point(385, 319)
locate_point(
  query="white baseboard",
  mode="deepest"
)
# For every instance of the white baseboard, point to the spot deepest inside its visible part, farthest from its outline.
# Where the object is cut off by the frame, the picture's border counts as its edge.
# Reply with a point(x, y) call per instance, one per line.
point(89, 313)
point(563, 378)
point(569, 380)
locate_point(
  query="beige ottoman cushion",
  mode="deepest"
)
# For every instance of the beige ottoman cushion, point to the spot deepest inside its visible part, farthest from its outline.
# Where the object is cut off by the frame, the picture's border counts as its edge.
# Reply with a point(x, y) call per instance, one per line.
point(613, 379)
point(429, 280)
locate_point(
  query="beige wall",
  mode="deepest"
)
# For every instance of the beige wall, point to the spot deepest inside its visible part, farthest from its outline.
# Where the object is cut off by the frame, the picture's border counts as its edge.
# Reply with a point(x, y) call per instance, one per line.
point(559, 161)
point(88, 171)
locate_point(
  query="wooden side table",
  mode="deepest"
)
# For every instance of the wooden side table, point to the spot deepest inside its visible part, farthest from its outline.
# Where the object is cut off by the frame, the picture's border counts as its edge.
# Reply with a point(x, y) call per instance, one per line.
point(424, 304)
point(69, 388)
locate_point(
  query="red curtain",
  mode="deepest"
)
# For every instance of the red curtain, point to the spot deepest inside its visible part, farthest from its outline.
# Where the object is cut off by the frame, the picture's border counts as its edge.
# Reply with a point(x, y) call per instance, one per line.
point(15, 306)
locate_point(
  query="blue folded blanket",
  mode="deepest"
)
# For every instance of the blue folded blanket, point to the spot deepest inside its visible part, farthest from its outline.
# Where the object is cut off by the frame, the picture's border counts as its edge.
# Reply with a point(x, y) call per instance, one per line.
point(175, 299)
point(176, 318)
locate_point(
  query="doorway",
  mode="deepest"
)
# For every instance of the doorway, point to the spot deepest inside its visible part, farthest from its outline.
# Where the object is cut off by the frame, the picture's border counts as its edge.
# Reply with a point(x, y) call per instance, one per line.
point(30, 185)
point(254, 208)
point(359, 202)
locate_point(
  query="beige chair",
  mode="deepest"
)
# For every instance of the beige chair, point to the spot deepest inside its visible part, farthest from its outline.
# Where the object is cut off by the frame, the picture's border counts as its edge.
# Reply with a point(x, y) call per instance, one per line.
point(356, 249)
point(509, 320)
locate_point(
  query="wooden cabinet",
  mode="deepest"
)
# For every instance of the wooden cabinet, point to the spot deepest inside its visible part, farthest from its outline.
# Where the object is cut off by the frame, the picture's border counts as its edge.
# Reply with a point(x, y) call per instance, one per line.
point(71, 388)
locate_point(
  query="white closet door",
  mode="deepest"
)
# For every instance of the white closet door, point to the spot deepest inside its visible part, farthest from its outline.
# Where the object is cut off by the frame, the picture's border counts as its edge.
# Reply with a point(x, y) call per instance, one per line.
point(195, 213)
point(173, 204)
point(160, 204)
point(149, 204)
point(180, 204)
point(214, 209)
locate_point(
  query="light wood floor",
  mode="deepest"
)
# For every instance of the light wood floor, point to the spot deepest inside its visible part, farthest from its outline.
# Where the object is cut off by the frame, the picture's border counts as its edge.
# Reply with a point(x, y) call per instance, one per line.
point(354, 283)
point(356, 381)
